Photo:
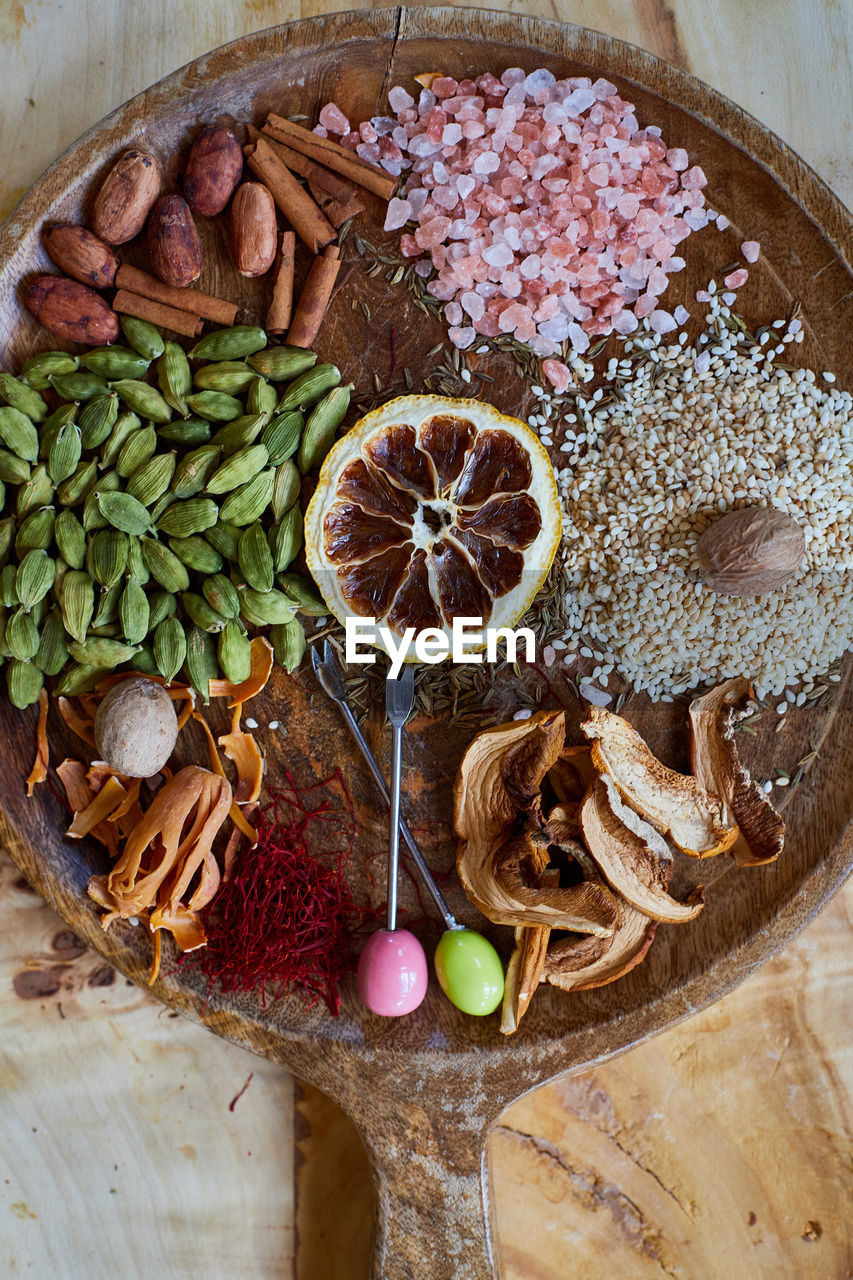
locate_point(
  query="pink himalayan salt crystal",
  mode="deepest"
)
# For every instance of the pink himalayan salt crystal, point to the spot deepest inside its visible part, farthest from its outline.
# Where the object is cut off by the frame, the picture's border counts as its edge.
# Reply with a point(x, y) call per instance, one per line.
point(462, 338)
point(722, 222)
point(750, 250)
point(558, 374)
point(398, 214)
point(429, 234)
point(399, 100)
point(661, 322)
point(333, 119)
point(735, 279)
point(473, 303)
point(320, 131)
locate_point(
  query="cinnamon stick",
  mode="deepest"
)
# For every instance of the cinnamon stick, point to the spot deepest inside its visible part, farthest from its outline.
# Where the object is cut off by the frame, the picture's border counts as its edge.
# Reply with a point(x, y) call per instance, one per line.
point(332, 155)
point(337, 198)
point(192, 301)
point(315, 298)
point(302, 212)
point(133, 304)
point(281, 306)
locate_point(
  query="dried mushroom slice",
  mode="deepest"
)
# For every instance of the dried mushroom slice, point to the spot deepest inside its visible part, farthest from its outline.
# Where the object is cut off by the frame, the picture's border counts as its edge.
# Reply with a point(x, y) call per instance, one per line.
point(715, 761)
point(468, 492)
point(673, 802)
point(579, 964)
point(633, 857)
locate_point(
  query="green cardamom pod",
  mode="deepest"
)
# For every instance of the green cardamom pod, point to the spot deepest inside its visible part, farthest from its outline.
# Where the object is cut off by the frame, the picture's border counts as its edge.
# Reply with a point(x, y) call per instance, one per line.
point(143, 661)
point(79, 386)
point(35, 532)
point(231, 376)
point(50, 429)
point(136, 451)
point(4, 650)
point(281, 438)
point(224, 537)
point(52, 652)
point(289, 644)
point(194, 470)
point(23, 397)
point(38, 369)
point(262, 396)
point(239, 433)
point(164, 566)
point(321, 427)
point(248, 503)
point(7, 539)
point(109, 554)
point(79, 485)
point(254, 558)
point(115, 362)
point(65, 453)
point(78, 678)
point(8, 587)
point(216, 406)
point(136, 566)
point(99, 652)
point(174, 377)
point(150, 481)
point(309, 387)
point(142, 336)
point(24, 682)
point(97, 419)
point(40, 610)
point(22, 637)
point(161, 604)
point(239, 469)
point(126, 424)
point(106, 610)
point(161, 505)
point(110, 482)
point(197, 554)
point(34, 577)
point(285, 538)
point(201, 663)
point(133, 612)
point(234, 652)
point(201, 613)
point(13, 470)
point(266, 608)
point(190, 433)
point(285, 489)
point(110, 630)
point(19, 434)
point(283, 363)
point(221, 594)
point(124, 512)
point(303, 591)
point(189, 515)
point(77, 602)
point(37, 492)
point(170, 648)
point(70, 539)
point(230, 344)
point(142, 398)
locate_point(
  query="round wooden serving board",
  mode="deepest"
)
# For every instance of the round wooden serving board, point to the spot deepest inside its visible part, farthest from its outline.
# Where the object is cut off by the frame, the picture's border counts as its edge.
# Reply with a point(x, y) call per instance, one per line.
point(425, 1090)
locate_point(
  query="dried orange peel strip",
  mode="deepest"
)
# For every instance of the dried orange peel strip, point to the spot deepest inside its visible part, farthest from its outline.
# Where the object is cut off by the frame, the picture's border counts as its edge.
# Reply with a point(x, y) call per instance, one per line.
point(110, 796)
point(259, 674)
point(243, 752)
point(38, 773)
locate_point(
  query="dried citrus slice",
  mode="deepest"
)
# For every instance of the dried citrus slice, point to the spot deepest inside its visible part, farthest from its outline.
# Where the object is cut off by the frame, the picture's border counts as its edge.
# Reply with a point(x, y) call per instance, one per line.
point(431, 509)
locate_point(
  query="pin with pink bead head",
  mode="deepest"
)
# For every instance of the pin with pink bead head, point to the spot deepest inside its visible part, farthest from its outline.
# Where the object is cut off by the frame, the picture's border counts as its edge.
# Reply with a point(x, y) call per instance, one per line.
point(392, 968)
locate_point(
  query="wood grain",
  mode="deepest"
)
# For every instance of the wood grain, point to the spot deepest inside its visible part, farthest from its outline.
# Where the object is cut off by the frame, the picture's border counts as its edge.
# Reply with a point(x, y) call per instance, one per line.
point(670, 32)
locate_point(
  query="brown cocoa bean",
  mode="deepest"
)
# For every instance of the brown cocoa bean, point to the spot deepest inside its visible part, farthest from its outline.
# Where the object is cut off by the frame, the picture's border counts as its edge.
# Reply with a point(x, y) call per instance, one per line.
point(253, 229)
point(80, 254)
point(70, 310)
point(213, 171)
point(173, 243)
point(126, 196)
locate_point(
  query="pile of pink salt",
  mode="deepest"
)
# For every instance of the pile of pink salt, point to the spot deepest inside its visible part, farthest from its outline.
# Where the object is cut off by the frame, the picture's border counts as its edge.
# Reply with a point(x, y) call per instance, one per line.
point(543, 208)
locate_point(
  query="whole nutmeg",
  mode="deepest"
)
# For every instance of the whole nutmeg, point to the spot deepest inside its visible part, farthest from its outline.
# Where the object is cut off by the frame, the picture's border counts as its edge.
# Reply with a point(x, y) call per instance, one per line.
point(125, 197)
point(253, 229)
point(173, 243)
point(70, 310)
point(750, 552)
point(81, 254)
point(136, 727)
point(213, 170)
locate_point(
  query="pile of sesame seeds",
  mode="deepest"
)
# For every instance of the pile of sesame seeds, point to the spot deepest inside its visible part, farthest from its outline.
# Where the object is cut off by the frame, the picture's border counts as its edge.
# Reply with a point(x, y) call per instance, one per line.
point(686, 432)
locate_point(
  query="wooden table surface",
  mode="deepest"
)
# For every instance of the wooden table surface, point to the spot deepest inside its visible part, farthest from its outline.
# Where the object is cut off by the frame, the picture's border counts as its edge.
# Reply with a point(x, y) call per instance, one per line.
point(133, 1143)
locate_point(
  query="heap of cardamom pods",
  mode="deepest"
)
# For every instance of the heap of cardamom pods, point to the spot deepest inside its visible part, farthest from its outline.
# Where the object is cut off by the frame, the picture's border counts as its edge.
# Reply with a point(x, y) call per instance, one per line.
point(152, 525)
